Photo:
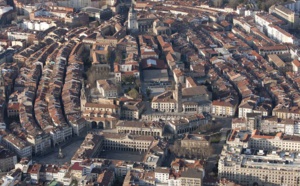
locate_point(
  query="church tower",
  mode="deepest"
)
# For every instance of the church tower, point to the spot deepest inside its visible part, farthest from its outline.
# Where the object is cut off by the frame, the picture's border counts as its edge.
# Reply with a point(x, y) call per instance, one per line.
point(178, 96)
point(82, 97)
point(132, 19)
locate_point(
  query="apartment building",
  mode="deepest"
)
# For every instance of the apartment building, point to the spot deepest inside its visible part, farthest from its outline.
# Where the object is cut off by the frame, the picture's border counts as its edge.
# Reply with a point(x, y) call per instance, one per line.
point(186, 124)
point(8, 159)
point(279, 141)
point(132, 110)
point(280, 35)
point(183, 172)
point(239, 138)
point(288, 15)
point(223, 108)
point(17, 145)
point(254, 105)
point(90, 147)
point(284, 112)
point(253, 166)
point(296, 65)
point(274, 125)
point(107, 89)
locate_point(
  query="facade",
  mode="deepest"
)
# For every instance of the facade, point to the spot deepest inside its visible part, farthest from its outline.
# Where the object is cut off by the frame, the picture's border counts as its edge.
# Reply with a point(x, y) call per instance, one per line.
point(257, 167)
point(223, 108)
point(107, 88)
point(254, 105)
point(104, 115)
point(287, 14)
point(186, 100)
point(15, 144)
point(186, 124)
point(140, 128)
point(8, 159)
point(279, 141)
point(132, 110)
point(194, 141)
point(296, 65)
point(126, 142)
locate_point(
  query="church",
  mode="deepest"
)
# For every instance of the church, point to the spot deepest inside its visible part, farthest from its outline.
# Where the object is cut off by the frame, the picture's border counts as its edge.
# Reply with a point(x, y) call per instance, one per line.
point(133, 25)
point(183, 100)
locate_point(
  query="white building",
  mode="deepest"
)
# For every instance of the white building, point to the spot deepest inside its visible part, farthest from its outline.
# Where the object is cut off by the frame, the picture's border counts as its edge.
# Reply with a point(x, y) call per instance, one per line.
point(280, 35)
point(162, 175)
point(259, 167)
point(107, 89)
point(37, 25)
point(296, 65)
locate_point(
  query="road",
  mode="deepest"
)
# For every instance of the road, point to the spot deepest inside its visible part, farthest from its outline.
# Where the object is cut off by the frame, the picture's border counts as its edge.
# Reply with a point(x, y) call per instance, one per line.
point(213, 160)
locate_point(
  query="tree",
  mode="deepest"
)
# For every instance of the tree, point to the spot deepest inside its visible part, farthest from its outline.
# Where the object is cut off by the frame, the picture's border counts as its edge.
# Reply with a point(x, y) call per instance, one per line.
point(91, 76)
point(108, 57)
point(133, 93)
point(148, 92)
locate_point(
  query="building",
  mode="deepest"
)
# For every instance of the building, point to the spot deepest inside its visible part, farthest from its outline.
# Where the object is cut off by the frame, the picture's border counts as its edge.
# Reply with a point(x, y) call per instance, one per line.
point(107, 88)
point(224, 107)
point(161, 175)
point(182, 172)
point(8, 159)
point(280, 35)
point(107, 177)
point(132, 19)
point(186, 124)
point(34, 172)
point(102, 115)
point(194, 141)
point(132, 110)
point(239, 138)
point(187, 100)
point(17, 145)
point(140, 128)
point(254, 166)
point(271, 142)
point(125, 142)
point(296, 65)
point(90, 148)
point(289, 15)
point(254, 105)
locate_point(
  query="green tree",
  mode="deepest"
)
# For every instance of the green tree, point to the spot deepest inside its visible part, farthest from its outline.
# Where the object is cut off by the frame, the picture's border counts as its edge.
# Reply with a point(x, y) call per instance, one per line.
point(133, 93)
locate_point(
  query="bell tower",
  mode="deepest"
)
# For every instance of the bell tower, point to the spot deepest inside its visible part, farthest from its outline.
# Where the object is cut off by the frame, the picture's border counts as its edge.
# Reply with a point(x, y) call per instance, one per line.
point(132, 19)
point(178, 96)
point(82, 97)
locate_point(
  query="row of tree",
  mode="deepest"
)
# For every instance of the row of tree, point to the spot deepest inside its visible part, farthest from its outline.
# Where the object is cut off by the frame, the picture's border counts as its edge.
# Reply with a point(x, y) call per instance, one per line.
point(202, 152)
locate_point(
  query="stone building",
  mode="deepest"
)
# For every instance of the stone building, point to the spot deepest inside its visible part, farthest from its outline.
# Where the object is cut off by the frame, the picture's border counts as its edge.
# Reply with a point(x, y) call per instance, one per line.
point(8, 159)
point(140, 128)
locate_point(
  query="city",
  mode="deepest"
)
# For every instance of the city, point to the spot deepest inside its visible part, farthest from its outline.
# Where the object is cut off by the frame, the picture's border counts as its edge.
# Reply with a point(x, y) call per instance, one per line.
point(150, 93)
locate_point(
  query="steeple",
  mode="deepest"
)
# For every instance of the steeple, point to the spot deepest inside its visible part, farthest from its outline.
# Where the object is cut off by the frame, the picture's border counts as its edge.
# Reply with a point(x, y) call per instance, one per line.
point(178, 96)
point(132, 8)
point(132, 19)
